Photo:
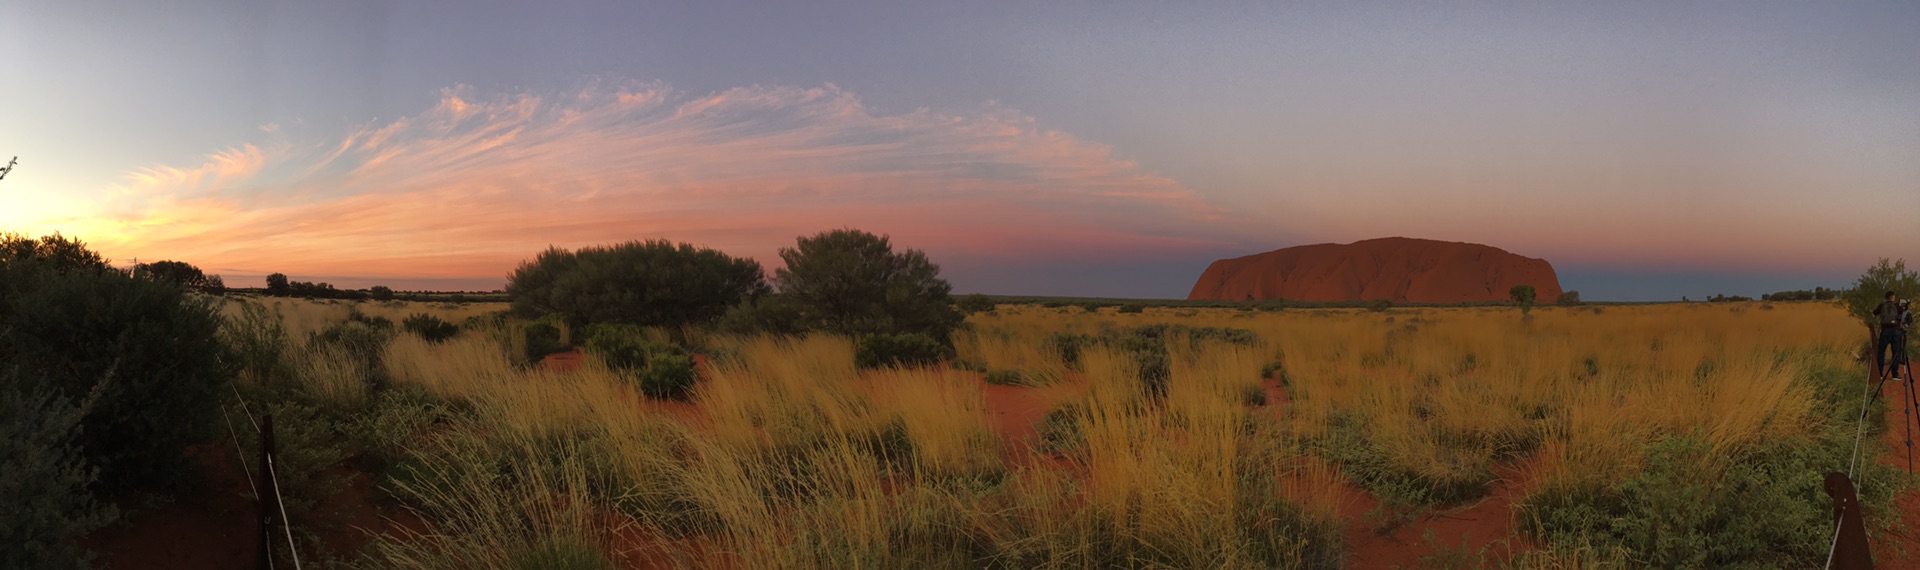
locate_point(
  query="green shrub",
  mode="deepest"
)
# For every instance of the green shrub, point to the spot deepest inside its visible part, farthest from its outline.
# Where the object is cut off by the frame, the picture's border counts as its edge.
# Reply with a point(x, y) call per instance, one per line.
point(543, 338)
point(668, 376)
point(910, 349)
point(1068, 346)
point(661, 371)
point(48, 506)
point(1060, 430)
point(151, 349)
point(970, 365)
point(1004, 377)
point(431, 328)
point(1131, 308)
point(765, 314)
point(643, 283)
point(853, 283)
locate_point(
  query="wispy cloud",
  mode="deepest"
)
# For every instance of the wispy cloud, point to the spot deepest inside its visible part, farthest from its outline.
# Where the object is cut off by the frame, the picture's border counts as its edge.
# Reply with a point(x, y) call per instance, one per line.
point(478, 182)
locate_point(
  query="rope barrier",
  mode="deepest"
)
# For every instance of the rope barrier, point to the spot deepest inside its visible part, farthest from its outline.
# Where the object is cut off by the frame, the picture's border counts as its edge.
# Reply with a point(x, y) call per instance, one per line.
point(244, 408)
point(285, 523)
point(239, 453)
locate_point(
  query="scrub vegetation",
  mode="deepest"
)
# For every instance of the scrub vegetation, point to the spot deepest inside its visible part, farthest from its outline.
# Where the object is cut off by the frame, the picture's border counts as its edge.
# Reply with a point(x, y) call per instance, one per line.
point(886, 433)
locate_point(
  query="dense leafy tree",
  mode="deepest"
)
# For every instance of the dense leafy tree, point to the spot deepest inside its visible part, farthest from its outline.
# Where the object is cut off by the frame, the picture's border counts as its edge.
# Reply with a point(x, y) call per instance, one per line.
point(175, 272)
point(380, 293)
point(1524, 296)
point(1870, 289)
point(1568, 298)
point(852, 282)
point(277, 285)
point(640, 282)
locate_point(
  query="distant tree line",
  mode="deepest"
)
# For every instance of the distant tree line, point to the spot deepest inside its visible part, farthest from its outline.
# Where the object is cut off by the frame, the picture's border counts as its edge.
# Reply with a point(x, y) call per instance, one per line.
point(1723, 298)
point(1817, 294)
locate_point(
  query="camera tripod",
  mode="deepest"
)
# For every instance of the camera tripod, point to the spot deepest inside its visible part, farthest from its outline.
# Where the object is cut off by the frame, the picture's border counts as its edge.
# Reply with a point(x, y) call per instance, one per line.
point(1895, 365)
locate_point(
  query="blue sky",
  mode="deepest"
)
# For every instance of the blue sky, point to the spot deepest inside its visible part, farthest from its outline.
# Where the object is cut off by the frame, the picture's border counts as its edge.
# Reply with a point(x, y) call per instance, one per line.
point(1649, 150)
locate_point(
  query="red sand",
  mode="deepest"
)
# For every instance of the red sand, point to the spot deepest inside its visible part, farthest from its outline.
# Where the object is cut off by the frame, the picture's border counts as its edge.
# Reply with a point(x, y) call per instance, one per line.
point(1398, 269)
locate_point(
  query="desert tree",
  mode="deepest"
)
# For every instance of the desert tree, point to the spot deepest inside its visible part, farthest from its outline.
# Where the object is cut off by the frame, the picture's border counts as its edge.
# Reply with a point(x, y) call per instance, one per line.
point(1871, 288)
point(1523, 295)
point(852, 282)
point(277, 285)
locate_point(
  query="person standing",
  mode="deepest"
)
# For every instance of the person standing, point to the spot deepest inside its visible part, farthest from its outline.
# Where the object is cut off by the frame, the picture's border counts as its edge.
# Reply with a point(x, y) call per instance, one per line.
point(1890, 332)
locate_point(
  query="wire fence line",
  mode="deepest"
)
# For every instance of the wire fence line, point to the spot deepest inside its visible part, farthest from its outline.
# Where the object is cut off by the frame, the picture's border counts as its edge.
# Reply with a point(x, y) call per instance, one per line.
point(270, 478)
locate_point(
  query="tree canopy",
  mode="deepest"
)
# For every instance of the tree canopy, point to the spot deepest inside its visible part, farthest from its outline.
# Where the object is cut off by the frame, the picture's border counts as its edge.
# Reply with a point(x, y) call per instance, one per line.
point(852, 282)
point(653, 282)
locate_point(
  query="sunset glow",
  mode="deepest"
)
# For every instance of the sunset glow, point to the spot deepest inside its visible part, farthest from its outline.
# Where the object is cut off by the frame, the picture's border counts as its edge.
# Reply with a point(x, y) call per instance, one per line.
point(1616, 143)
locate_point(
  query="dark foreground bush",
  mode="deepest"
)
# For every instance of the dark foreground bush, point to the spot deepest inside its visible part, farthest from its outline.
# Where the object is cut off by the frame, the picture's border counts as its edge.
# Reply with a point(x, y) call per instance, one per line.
point(911, 349)
point(149, 349)
point(44, 489)
point(431, 328)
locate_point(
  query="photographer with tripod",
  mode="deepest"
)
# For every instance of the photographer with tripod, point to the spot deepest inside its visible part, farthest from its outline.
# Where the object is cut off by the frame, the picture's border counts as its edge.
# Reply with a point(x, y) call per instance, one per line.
point(1892, 340)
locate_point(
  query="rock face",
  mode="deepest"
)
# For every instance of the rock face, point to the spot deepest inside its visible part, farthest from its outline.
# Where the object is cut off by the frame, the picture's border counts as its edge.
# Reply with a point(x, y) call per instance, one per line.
point(1399, 269)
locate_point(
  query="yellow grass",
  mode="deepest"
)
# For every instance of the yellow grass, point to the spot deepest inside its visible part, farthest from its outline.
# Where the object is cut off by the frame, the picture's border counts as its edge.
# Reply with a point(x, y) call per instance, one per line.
point(1443, 393)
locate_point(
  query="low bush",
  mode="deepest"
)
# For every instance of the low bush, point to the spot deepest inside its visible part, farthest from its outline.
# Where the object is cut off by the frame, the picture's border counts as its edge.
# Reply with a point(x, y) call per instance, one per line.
point(430, 328)
point(543, 338)
point(974, 303)
point(668, 376)
point(48, 506)
point(661, 371)
point(1131, 308)
point(910, 349)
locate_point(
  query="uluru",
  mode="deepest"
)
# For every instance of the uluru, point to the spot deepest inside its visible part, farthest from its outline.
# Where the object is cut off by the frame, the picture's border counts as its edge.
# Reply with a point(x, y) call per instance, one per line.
point(1399, 269)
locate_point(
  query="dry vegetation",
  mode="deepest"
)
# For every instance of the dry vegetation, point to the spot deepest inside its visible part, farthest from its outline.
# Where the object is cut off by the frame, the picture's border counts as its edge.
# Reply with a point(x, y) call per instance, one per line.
point(789, 457)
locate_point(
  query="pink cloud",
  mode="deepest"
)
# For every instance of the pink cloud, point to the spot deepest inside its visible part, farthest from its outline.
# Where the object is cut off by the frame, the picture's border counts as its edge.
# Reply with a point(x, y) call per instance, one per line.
point(477, 183)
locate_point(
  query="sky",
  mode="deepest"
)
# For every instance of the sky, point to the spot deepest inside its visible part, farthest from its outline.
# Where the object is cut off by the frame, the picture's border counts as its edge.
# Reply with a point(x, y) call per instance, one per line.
point(1649, 150)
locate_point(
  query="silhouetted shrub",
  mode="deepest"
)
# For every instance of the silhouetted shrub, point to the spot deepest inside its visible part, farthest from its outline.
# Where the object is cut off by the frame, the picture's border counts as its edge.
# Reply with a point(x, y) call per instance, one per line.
point(1132, 308)
point(910, 349)
point(149, 348)
point(380, 293)
point(429, 327)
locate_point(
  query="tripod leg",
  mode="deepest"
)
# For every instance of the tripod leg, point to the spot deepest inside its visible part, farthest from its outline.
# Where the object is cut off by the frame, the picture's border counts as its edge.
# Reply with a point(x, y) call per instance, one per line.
point(1911, 405)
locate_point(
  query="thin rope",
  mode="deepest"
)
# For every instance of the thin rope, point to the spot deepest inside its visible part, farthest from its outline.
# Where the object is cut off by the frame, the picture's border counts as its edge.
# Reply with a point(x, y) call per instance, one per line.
point(239, 453)
point(285, 524)
point(244, 408)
